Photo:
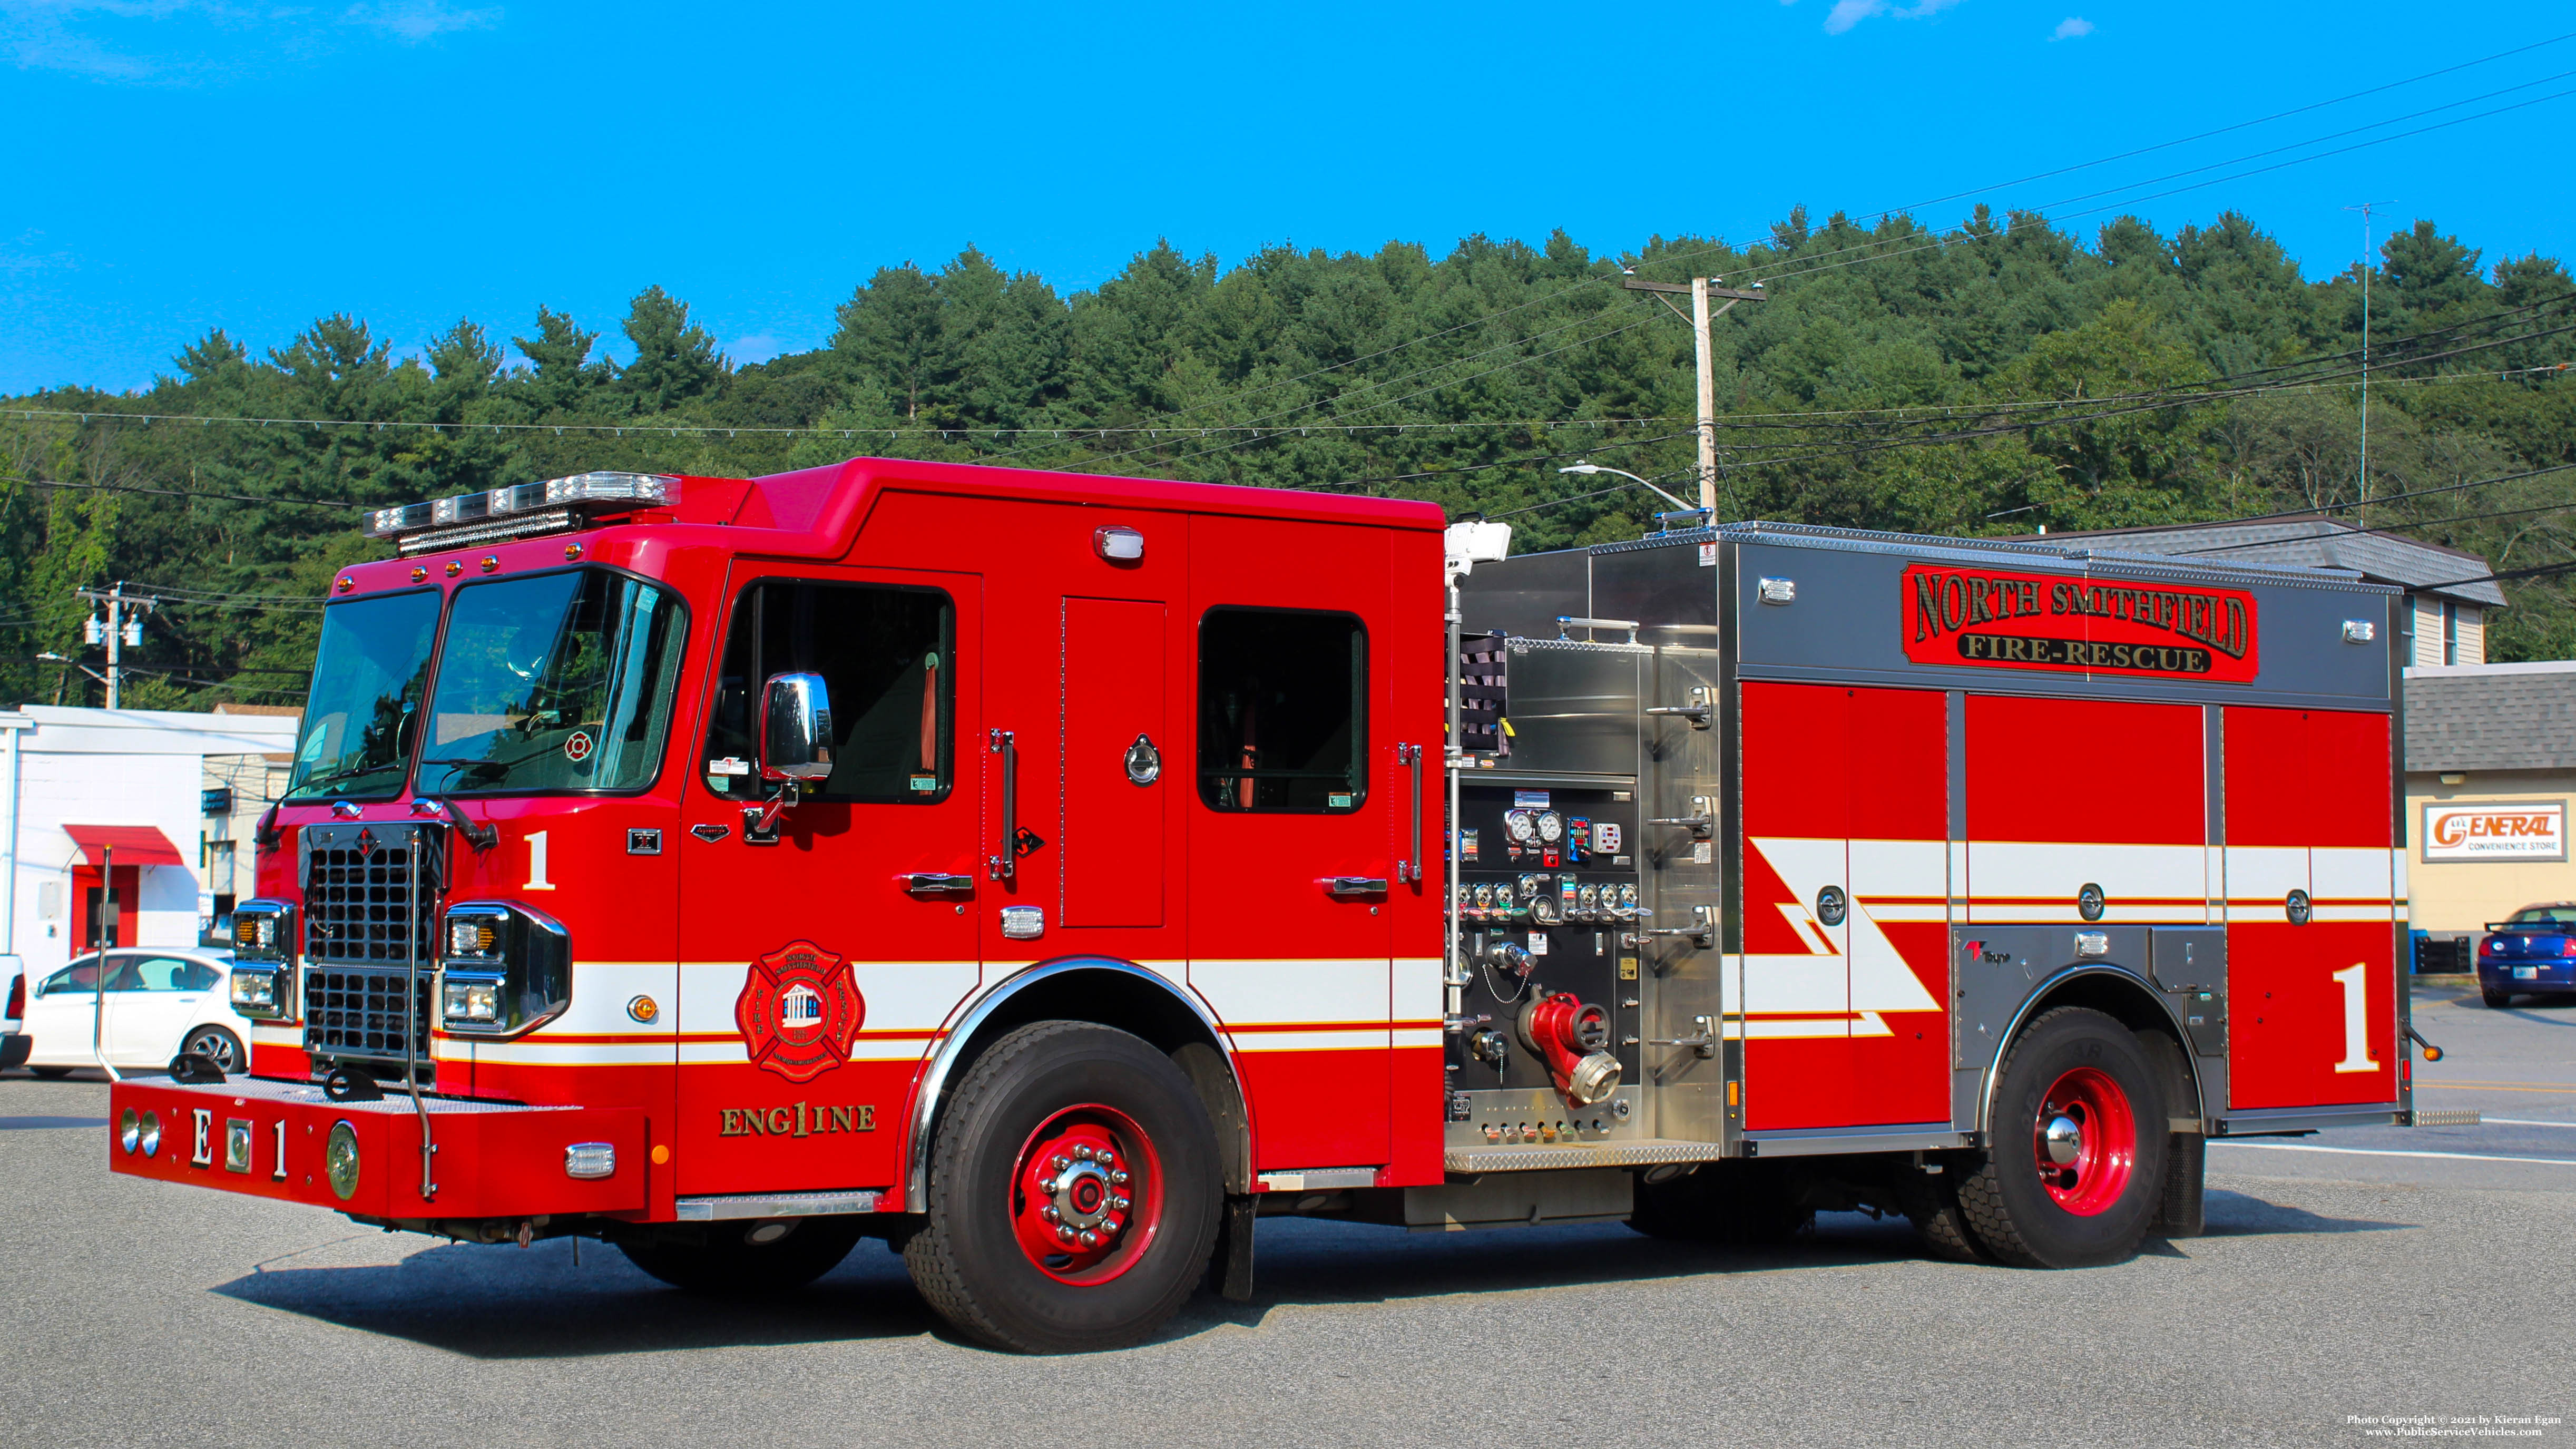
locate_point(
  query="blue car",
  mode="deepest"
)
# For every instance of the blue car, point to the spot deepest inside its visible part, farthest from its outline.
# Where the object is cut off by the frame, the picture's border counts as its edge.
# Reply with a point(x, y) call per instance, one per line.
point(2533, 950)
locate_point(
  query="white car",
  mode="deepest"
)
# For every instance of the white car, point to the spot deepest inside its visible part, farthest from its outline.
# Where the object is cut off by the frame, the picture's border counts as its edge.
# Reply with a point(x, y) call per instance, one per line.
point(13, 1041)
point(159, 1004)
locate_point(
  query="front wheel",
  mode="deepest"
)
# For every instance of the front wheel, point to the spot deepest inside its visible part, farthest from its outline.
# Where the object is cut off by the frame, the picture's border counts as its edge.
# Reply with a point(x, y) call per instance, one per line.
point(2076, 1169)
point(1073, 1195)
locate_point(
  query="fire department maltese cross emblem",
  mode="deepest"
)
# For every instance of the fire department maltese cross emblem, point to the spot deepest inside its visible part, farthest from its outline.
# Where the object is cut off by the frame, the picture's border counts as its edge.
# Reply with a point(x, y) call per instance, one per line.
point(799, 1011)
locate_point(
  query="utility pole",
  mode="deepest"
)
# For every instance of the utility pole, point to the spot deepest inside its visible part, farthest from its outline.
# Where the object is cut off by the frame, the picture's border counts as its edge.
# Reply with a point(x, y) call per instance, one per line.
point(1700, 290)
point(122, 627)
point(2362, 514)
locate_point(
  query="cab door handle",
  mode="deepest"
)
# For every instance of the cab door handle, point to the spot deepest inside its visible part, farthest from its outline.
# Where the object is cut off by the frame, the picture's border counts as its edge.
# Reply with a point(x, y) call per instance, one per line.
point(937, 882)
point(1356, 885)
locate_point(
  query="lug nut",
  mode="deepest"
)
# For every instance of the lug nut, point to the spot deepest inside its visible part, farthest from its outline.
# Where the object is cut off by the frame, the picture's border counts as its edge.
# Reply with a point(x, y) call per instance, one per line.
point(1090, 1239)
point(1119, 1178)
point(1106, 1158)
point(1064, 1233)
point(1049, 1213)
point(1060, 1163)
point(1047, 1185)
point(1083, 1153)
point(1118, 1204)
point(1109, 1227)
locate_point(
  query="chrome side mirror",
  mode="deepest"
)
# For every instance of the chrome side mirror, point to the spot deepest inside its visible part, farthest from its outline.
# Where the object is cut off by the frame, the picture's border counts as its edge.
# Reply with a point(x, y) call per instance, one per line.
point(795, 728)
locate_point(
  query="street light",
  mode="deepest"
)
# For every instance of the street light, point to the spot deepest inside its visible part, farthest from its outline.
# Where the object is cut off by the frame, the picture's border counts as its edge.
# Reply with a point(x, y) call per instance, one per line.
point(1589, 468)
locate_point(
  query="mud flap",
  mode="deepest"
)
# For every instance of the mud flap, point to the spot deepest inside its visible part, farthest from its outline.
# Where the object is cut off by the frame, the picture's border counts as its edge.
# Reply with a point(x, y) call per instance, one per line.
point(1234, 1248)
point(2183, 1213)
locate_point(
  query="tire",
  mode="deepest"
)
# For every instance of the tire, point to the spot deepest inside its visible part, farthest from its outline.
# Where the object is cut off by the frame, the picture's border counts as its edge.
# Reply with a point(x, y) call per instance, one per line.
point(1729, 1204)
point(2496, 999)
point(52, 1073)
point(2075, 1172)
point(1931, 1202)
point(1063, 1126)
point(737, 1261)
point(218, 1044)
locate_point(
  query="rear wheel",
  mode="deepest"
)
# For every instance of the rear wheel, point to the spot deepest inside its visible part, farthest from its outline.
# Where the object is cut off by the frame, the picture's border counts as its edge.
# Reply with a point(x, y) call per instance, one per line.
point(2076, 1169)
point(1931, 1202)
point(56, 1073)
point(2497, 999)
point(1073, 1193)
point(750, 1259)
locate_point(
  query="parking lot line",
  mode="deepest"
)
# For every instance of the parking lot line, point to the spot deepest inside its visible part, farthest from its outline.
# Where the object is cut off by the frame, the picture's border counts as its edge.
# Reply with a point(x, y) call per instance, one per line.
point(2493, 1087)
point(2396, 1152)
point(2519, 1122)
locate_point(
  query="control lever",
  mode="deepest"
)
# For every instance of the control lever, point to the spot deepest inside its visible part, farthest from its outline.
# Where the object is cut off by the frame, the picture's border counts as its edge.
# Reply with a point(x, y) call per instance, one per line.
point(1356, 885)
point(1697, 711)
point(1703, 1043)
point(937, 882)
point(1702, 824)
point(1702, 930)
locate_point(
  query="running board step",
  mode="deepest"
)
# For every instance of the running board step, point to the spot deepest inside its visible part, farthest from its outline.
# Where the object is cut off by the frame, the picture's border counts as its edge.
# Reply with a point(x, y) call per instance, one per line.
point(1642, 1153)
point(775, 1205)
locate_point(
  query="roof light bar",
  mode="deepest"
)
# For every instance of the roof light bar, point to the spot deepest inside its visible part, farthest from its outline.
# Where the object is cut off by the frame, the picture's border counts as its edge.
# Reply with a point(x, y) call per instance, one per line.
point(513, 512)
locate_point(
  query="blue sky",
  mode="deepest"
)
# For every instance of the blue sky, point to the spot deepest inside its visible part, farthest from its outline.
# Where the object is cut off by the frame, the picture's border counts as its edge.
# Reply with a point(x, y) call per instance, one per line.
point(176, 165)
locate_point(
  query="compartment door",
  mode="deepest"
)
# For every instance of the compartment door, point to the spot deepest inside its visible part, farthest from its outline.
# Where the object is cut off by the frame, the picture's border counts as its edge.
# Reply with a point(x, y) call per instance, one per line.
point(2313, 1015)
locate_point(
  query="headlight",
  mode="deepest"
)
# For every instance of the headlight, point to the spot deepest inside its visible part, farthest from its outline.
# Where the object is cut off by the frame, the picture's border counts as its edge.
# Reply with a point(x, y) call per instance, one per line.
point(469, 1002)
point(505, 971)
point(129, 1132)
point(254, 990)
point(151, 1134)
point(340, 1160)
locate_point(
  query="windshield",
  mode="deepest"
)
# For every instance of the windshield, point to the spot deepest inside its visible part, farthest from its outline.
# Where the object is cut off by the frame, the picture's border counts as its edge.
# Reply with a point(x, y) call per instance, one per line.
point(557, 682)
point(367, 679)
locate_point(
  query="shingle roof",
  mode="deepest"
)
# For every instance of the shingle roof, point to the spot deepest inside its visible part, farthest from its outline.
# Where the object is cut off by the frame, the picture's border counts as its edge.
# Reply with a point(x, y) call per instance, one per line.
point(2315, 542)
point(2492, 717)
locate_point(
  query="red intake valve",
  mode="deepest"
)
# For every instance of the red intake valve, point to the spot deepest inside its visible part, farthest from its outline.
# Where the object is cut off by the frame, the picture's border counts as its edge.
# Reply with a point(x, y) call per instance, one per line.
point(1574, 1040)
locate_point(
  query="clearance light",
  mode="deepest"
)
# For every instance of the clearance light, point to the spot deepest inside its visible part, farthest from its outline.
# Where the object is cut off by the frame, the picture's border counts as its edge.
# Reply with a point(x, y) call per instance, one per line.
point(151, 1143)
point(518, 511)
point(476, 1003)
point(129, 1132)
point(340, 1160)
point(590, 1160)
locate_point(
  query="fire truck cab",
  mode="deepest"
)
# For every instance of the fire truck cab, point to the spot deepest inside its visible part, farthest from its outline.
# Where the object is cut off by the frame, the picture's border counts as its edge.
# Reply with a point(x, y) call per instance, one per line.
point(1053, 874)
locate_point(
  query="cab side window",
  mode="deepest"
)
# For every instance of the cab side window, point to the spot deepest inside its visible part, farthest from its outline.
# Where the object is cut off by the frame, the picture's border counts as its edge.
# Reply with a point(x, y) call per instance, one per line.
point(1283, 718)
point(888, 659)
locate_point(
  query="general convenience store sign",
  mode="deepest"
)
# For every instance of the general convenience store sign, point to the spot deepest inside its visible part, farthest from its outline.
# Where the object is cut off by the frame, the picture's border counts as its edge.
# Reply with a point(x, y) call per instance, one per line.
point(2520, 830)
point(2079, 625)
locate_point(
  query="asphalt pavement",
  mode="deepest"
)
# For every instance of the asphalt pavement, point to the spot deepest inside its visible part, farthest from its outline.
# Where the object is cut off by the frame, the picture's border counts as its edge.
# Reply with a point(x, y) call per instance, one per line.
point(2353, 1285)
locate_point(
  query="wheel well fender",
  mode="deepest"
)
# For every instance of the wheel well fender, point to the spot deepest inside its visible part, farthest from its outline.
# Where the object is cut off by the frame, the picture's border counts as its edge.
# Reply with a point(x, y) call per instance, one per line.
point(2125, 997)
point(1098, 989)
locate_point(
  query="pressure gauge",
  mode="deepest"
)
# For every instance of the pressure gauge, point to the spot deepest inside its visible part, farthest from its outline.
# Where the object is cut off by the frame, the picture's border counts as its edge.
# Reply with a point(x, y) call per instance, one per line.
point(1551, 827)
point(1520, 827)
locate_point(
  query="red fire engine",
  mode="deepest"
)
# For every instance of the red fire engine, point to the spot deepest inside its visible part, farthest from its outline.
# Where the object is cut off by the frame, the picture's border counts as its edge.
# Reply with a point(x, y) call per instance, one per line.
point(1054, 874)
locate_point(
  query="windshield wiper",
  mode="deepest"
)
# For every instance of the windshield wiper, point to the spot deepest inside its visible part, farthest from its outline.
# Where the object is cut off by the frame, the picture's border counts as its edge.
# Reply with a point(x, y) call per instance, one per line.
point(319, 781)
point(497, 766)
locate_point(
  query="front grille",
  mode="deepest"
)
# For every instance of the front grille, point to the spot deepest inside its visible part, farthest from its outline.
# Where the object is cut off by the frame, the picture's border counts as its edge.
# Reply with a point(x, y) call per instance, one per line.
point(353, 1013)
point(358, 888)
point(370, 892)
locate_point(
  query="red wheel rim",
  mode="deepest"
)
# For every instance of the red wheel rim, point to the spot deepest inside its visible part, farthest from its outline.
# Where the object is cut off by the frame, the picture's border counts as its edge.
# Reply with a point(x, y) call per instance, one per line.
point(1086, 1195)
point(2086, 1142)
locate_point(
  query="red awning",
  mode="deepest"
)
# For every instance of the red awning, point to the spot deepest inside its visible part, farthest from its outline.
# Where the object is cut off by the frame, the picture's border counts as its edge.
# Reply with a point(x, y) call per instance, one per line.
point(134, 844)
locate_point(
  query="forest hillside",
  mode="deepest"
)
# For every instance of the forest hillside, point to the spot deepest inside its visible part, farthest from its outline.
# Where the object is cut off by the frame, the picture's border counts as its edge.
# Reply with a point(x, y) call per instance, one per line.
point(1994, 379)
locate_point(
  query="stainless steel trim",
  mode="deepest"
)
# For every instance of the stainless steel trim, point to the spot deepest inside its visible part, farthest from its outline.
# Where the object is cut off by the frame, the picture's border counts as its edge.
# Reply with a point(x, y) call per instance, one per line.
point(2291, 1119)
point(1408, 868)
point(1641, 1152)
point(1929, 1137)
point(934, 1081)
point(2446, 1117)
point(775, 1205)
point(1356, 885)
point(413, 1001)
point(1318, 1179)
point(936, 882)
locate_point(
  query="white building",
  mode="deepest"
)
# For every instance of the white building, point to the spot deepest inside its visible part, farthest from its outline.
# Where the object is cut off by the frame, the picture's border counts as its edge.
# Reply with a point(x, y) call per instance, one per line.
point(79, 784)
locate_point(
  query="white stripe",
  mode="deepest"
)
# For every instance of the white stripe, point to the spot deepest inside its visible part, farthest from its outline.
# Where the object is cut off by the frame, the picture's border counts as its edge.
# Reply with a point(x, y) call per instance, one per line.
point(2342, 873)
point(1413, 1036)
point(2519, 1122)
point(537, 1052)
point(1338, 989)
point(2056, 870)
point(2393, 1152)
point(2266, 872)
